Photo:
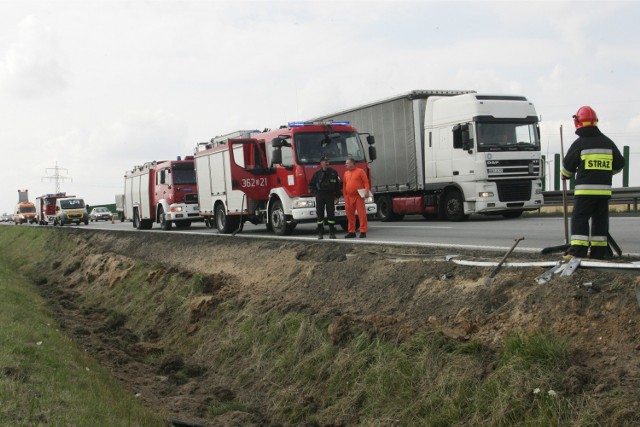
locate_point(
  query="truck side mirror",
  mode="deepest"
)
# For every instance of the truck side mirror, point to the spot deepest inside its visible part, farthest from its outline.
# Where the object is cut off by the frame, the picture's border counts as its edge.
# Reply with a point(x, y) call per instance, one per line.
point(372, 153)
point(461, 138)
point(277, 142)
point(467, 142)
point(276, 157)
point(457, 136)
point(371, 139)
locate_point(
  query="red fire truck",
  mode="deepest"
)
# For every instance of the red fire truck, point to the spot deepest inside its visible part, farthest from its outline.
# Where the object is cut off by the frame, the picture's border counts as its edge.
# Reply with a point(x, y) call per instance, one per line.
point(162, 192)
point(240, 180)
point(46, 207)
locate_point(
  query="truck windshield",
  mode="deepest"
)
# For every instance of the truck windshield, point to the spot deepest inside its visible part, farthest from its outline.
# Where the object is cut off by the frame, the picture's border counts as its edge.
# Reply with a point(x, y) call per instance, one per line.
point(507, 136)
point(72, 204)
point(184, 176)
point(310, 146)
point(27, 209)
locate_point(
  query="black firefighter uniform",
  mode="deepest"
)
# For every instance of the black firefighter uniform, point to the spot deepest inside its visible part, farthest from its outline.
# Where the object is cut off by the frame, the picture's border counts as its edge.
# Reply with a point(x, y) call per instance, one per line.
point(594, 159)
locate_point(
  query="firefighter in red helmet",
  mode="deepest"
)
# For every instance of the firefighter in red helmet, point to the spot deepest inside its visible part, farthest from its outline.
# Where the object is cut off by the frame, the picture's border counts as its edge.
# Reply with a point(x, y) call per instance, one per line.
point(593, 159)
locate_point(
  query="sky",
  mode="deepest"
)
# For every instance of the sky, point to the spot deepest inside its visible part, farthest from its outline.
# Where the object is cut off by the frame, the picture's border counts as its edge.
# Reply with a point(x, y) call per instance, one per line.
point(97, 87)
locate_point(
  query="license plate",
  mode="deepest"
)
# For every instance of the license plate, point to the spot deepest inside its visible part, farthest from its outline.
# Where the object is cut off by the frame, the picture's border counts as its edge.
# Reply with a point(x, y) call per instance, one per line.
point(495, 170)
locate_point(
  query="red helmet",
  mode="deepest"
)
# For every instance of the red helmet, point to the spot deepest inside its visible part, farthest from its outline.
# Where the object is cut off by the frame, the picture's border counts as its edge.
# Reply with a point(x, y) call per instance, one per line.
point(585, 117)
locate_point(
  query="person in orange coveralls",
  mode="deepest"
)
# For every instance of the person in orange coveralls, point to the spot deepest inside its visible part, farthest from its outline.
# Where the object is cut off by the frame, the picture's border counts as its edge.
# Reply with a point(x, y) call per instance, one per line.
point(355, 179)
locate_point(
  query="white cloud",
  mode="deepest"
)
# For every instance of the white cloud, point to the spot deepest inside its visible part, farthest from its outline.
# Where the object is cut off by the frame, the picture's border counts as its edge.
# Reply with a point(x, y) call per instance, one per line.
point(32, 66)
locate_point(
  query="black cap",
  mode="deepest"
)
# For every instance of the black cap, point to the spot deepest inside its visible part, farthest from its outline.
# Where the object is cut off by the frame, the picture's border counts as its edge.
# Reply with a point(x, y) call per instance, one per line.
point(324, 158)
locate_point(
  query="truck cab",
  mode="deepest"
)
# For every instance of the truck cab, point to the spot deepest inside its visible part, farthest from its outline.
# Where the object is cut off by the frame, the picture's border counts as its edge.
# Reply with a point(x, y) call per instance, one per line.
point(25, 212)
point(70, 210)
point(162, 192)
point(488, 146)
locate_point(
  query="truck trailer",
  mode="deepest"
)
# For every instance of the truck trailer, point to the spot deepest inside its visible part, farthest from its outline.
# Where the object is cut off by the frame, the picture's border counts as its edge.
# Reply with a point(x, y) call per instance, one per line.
point(240, 179)
point(449, 154)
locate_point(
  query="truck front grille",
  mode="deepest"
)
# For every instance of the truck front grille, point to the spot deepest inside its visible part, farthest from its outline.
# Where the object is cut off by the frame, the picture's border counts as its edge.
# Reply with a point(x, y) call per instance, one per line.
point(191, 198)
point(512, 191)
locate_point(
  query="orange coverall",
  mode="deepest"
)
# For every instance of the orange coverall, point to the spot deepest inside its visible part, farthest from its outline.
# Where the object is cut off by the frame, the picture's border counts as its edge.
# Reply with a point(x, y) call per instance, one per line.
point(354, 180)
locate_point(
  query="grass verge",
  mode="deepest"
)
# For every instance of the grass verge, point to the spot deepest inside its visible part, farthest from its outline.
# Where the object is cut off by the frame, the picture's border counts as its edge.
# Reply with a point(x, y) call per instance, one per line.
point(44, 378)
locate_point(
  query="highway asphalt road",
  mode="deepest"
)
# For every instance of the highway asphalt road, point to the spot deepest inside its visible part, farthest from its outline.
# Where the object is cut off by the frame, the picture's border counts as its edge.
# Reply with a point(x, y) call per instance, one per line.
point(480, 232)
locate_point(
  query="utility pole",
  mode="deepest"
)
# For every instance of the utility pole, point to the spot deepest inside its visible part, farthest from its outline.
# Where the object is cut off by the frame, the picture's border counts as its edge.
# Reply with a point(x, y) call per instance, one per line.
point(56, 177)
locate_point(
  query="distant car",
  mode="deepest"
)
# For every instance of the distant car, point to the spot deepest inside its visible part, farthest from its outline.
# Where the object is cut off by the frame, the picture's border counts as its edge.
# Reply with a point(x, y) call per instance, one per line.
point(5, 217)
point(99, 214)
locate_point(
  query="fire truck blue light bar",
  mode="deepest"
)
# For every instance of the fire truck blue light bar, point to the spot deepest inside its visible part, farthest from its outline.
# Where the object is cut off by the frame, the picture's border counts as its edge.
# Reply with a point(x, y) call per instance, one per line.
point(299, 124)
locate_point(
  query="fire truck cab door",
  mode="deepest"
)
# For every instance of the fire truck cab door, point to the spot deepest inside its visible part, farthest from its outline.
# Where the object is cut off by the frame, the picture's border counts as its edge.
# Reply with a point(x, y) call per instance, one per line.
point(249, 171)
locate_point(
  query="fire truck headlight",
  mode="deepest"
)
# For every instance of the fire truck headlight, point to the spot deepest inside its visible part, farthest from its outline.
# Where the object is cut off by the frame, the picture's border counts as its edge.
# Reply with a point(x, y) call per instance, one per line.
point(485, 194)
point(176, 209)
point(303, 203)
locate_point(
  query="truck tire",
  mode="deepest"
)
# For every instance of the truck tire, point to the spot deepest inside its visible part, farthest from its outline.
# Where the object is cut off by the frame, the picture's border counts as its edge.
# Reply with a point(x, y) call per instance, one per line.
point(278, 219)
point(385, 209)
point(224, 223)
point(164, 224)
point(136, 220)
point(453, 207)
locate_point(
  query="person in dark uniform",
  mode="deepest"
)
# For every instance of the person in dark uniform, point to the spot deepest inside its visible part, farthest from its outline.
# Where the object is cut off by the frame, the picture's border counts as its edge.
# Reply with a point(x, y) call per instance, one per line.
point(594, 159)
point(326, 185)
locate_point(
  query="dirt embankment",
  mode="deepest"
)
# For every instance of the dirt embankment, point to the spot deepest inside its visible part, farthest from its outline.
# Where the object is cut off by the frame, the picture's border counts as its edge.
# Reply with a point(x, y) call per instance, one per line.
point(389, 292)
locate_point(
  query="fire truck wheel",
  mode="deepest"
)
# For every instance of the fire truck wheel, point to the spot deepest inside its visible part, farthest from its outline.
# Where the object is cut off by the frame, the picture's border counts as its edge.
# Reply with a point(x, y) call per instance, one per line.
point(166, 225)
point(136, 220)
point(226, 224)
point(278, 219)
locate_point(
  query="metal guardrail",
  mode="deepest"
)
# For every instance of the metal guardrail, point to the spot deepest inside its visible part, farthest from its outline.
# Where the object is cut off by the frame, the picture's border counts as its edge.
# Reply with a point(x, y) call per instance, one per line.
point(620, 196)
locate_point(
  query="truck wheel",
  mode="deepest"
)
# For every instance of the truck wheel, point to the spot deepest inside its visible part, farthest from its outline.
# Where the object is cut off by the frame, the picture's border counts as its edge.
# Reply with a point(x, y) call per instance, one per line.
point(385, 209)
point(454, 207)
point(164, 224)
point(278, 219)
point(225, 223)
point(136, 220)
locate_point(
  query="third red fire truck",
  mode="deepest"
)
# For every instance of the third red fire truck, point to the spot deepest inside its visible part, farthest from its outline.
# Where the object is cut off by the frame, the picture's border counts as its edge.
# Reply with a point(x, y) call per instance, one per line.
point(263, 177)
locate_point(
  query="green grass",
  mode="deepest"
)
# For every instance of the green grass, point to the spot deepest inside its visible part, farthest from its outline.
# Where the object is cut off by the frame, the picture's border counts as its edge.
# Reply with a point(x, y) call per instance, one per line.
point(45, 379)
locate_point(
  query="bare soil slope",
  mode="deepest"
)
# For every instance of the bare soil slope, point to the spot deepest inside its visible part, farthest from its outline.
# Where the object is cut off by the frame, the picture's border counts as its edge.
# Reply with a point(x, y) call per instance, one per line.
point(388, 291)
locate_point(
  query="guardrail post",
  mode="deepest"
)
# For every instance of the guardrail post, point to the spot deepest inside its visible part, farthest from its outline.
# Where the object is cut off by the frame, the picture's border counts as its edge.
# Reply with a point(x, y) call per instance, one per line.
point(556, 174)
point(625, 171)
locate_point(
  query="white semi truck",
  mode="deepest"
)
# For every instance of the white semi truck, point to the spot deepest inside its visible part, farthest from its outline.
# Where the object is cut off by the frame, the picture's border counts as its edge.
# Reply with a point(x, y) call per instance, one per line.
point(452, 153)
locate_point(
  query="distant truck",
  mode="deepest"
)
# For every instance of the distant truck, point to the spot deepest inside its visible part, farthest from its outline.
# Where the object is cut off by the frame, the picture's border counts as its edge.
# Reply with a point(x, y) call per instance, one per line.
point(70, 210)
point(240, 179)
point(452, 153)
point(25, 211)
point(162, 192)
point(46, 207)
